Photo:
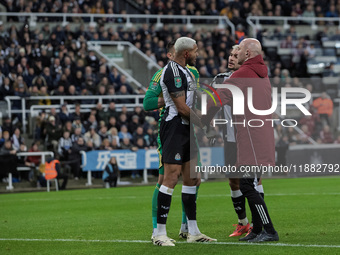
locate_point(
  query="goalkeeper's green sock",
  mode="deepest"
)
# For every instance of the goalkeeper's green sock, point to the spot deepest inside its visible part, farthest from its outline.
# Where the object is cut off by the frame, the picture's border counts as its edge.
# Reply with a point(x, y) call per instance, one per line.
point(154, 206)
point(184, 225)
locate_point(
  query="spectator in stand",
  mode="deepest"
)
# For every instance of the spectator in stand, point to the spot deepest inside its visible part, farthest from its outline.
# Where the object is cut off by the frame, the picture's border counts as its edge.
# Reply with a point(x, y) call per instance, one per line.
point(281, 148)
point(288, 43)
point(324, 107)
point(105, 145)
point(303, 138)
point(48, 78)
point(75, 157)
point(91, 122)
point(127, 145)
point(2, 139)
point(332, 12)
point(64, 146)
point(6, 89)
point(139, 133)
point(92, 135)
point(17, 139)
point(113, 135)
point(77, 133)
point(53, 133)
point(124, 133)
point(141, 144)
point(60, 91)
point(337, 141)
point(77, 113)
point(326, 135)
point(64, 114)
point(102, 114)
point(103, 133)
point(73, 93)
point(309, 13)
point(112, 112)
point(53, 112)
point(111, 172)
point(150, 138)
point(134, 124)
point(7, 126)
point(8, 160)
point(68, 127)
point(33, 162)
point(43, 93)
point(77, 124)
point(123, 121)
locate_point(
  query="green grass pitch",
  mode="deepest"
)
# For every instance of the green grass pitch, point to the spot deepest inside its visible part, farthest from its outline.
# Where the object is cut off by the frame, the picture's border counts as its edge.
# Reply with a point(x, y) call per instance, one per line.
point(305, 212)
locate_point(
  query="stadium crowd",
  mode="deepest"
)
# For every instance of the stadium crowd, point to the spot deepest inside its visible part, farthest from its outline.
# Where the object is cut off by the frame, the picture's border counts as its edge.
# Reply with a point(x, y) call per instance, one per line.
point(55, 61)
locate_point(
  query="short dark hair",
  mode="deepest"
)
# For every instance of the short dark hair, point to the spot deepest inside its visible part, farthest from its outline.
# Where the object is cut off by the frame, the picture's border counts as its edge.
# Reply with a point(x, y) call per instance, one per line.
point(170, 45)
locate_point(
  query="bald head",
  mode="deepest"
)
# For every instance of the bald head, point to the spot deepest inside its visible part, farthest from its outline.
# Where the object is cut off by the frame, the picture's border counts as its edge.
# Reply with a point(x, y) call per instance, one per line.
point(248, 48)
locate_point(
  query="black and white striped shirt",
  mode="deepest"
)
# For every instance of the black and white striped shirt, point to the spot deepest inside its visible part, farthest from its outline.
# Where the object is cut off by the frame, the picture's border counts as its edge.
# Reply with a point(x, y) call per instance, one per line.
point(177, 78)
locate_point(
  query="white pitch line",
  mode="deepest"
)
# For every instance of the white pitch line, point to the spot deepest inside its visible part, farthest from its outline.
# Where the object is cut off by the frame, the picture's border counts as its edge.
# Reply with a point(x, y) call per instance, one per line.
point(145, 241)
point(200, 195)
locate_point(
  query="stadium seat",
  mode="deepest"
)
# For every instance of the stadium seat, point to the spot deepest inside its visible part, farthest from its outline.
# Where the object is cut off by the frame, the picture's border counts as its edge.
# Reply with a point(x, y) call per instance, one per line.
point(271, 52)
point(317, 83)
point(286, 61)
point(329, 52)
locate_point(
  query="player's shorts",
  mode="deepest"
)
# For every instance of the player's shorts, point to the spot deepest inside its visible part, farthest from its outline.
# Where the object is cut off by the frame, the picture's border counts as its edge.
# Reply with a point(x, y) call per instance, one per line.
point(230, 153)
point(175, 140)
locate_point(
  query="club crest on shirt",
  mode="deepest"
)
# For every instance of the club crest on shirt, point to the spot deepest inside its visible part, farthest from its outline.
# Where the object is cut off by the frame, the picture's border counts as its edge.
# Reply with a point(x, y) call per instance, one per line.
point(177, 157)
point(178, 82)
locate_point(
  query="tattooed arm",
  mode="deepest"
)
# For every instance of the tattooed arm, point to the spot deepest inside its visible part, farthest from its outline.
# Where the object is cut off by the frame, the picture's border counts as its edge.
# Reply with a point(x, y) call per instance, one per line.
point(179, 99)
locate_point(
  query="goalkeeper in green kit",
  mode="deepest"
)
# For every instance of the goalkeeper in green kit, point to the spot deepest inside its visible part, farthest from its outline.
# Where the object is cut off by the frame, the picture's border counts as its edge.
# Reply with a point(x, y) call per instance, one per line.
point(154, 100)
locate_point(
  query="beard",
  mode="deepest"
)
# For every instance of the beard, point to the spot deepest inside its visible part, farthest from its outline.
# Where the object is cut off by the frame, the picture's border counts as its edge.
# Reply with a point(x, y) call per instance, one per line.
point(191, 61)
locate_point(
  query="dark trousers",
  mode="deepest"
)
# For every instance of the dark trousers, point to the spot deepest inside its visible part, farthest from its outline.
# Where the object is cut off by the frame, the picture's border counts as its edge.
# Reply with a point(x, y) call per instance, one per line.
point(63, 177)
point(259, 211)
point(112, 180)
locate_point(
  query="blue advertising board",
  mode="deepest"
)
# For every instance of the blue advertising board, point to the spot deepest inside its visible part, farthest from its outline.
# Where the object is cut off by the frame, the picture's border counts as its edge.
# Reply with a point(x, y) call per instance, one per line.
point(142, 159)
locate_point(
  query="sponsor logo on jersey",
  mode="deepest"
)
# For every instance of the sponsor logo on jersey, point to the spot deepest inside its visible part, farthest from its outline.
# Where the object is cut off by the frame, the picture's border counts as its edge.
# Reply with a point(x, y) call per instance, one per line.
point(154, 85)
point(178, 82)
point(177, 157)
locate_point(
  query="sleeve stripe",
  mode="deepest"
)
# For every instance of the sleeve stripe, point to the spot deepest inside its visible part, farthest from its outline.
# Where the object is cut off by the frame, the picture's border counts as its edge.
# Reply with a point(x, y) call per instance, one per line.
point(174, 69)
point(156, 77)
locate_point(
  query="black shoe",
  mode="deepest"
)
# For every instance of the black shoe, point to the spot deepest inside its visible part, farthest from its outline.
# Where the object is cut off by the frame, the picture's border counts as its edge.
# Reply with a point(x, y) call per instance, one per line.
point(250, 236)
point(264, 236)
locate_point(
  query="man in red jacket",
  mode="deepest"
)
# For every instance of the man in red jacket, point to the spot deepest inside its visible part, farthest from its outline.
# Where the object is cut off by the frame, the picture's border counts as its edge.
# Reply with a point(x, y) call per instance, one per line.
point(255, 145)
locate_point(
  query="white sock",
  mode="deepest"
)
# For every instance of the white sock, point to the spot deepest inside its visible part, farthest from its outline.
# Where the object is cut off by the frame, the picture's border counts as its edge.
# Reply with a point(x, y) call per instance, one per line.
point(193, 228)
point(166, 190)
point(161, 230)
point(236, 193)
point(243, 221)
point(154, 232)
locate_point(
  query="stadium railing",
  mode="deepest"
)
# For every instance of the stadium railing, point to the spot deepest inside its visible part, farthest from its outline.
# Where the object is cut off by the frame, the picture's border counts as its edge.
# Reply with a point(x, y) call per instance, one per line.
point(43, 155)
point(23, 111)
point(127, 19)
point(255, 21)
point(112, 62)
point(141, 65)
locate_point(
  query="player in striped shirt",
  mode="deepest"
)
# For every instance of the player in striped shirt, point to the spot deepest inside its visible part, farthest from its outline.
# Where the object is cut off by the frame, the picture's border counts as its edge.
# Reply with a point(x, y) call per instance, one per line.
point(154, 100)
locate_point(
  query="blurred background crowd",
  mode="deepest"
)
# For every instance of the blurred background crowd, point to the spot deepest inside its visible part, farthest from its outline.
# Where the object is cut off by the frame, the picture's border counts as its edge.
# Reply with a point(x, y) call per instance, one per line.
point(55, 60)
